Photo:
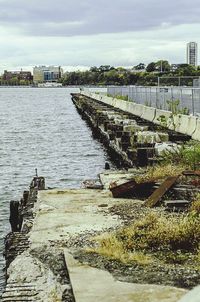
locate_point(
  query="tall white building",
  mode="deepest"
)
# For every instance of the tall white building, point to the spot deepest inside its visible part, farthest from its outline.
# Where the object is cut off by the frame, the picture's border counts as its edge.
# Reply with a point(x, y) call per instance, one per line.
point(192, 53)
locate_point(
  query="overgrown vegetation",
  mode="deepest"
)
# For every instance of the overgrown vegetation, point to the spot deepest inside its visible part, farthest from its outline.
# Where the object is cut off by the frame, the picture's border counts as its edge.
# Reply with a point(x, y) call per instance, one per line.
point(176, 111)
point(195, 206)
point(119, 97)
point(159, 172)
point(187, 155)
point(169, 239)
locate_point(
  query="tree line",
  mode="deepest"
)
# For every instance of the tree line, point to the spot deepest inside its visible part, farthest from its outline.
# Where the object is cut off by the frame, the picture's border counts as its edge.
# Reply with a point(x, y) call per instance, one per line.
point(138, 75)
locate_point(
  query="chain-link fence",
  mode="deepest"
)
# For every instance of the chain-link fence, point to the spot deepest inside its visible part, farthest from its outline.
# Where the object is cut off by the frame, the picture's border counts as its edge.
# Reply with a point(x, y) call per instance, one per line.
point(186, 99)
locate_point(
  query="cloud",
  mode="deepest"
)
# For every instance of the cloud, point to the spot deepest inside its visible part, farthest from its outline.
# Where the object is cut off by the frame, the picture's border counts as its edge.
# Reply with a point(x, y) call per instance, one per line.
point(88, 32)
point(88, 17)
point(118, 49)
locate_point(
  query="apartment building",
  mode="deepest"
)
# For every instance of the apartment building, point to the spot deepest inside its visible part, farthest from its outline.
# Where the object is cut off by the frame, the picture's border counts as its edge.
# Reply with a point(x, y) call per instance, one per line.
point(192, 57)
point(18, 75)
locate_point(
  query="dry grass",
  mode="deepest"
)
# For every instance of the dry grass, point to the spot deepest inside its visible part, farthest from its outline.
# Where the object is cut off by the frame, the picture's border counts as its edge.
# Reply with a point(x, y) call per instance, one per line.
point(111, 247)
point(195, 206)
point(151, 234)
point(160, 172)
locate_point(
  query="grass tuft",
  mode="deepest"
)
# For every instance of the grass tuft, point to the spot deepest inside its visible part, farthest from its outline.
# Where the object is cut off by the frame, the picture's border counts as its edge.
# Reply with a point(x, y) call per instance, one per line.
point(195, 206)
point(171, 237)
point(160, 172)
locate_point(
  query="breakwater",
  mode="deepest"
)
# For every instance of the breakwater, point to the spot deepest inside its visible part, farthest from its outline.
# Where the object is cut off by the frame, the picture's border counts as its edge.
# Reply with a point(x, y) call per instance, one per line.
point(132, 140)
point(54, 230)
point(31, 280)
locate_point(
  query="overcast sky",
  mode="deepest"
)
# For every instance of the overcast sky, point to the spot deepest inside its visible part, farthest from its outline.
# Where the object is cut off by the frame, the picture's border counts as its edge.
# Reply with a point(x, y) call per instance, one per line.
point(80, 33)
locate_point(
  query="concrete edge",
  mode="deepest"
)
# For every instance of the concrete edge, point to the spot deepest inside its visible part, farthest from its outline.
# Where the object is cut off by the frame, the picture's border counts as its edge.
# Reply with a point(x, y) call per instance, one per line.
point(185, 124)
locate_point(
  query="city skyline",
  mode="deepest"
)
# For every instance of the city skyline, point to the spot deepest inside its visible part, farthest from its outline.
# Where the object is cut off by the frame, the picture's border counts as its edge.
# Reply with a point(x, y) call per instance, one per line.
point(79, 35)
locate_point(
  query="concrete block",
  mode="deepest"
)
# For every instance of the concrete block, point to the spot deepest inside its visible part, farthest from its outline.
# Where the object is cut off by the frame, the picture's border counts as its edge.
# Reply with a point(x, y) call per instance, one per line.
point(186, 124)
point(150, 137)
point(129, 107)
point(85, 93)
point(134, 128)
point(138, 109)
point(173, 122)
point(106, 99)
point(148, 113)
point(121, 104)
point(196, 134)
point(134, 108)
point(161, 114)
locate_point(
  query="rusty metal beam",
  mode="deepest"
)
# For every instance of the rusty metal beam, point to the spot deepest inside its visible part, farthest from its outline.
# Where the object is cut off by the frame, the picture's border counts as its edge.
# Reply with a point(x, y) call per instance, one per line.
point(159, 193)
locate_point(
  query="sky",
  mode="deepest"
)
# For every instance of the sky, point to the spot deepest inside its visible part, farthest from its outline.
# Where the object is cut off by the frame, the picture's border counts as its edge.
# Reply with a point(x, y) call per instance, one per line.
point(77, 34)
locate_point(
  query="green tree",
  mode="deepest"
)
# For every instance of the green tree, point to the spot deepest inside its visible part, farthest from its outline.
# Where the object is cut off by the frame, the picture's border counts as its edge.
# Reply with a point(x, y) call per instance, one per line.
point(162, 66)
point(151, 67)
point(140, 66)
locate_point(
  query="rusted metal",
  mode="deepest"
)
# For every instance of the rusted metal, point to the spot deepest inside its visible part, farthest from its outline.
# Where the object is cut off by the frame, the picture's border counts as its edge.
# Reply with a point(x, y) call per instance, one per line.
point(123, 189)
point(160, 192)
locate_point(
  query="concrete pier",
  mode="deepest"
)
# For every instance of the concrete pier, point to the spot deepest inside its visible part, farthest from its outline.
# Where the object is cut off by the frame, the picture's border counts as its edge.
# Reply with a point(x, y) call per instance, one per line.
point(185, 124)
point(131, 137)
point(52, 230)
point(46, 268)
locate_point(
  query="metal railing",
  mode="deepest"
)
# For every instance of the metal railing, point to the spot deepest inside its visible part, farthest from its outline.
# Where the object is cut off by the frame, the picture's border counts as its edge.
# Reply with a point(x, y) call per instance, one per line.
point(187, 98)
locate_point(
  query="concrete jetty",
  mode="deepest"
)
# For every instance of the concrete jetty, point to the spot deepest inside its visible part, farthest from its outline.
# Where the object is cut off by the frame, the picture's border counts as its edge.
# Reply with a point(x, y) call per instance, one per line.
point(185, 124)
point(55, 225)
point(127, 130)
point(52, 228)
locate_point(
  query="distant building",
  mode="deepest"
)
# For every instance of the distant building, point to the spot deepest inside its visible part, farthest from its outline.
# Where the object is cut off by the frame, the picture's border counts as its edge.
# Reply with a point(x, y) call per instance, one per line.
point(17, 75)
point(192, 53)
point(43, 74)
point(174, 67)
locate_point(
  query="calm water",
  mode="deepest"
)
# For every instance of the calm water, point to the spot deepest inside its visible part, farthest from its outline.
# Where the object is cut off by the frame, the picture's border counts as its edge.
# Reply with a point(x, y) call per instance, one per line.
point(40, 128)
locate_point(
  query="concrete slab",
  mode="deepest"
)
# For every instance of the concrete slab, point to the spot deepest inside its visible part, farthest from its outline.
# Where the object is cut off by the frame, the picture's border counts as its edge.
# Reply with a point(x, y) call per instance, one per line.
point(161, 113)
point(192, 296)
point(91, 284)
point(186, 124)
point(148, 113)
point(62, 214)
point(196, 134)
point(119, 177)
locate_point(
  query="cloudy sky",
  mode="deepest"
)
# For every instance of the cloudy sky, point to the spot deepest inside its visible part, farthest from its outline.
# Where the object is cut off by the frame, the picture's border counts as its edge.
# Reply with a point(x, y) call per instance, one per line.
point(81, 33)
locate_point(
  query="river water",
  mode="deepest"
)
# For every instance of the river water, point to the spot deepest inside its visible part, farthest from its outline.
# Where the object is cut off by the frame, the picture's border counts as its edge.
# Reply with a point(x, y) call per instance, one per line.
point(40, 128)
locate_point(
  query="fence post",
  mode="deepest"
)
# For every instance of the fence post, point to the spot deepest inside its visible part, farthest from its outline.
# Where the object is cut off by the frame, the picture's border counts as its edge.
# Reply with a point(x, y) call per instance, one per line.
point(172, 95)
point(181, 98)
point(192, 101)
point(147, 103)
point(157, 97)
point(150, 95)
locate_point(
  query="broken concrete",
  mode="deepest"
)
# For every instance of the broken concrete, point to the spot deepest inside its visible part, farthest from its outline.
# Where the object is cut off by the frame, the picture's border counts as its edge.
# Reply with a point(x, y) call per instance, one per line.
point(91, 284)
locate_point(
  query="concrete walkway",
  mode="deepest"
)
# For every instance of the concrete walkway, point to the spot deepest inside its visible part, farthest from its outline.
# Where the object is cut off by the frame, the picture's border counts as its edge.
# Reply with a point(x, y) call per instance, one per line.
point(91, 284)
point(65, 214)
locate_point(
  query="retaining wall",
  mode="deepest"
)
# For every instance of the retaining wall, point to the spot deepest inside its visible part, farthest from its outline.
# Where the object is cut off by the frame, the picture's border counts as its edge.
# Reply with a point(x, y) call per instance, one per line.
point(185, 124)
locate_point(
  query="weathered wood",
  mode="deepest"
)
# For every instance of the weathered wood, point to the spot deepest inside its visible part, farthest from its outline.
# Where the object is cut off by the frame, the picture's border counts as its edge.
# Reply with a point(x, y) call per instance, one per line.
point(176, 203)
point(15, 220)
point(159, 193)
point(191, 173)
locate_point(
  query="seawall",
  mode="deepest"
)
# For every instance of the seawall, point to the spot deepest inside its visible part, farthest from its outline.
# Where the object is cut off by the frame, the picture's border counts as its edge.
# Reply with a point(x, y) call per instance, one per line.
point(185, 124)
point(127, 130)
